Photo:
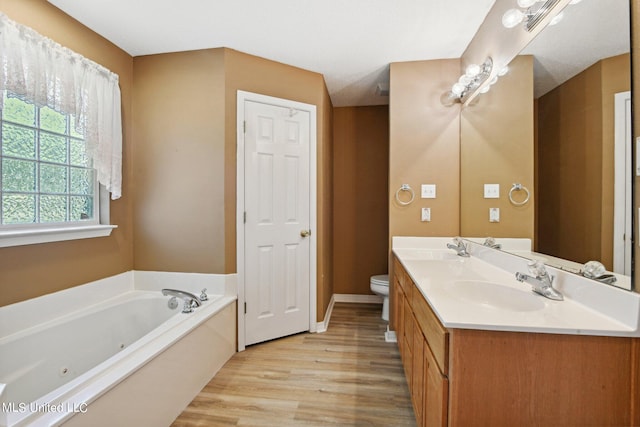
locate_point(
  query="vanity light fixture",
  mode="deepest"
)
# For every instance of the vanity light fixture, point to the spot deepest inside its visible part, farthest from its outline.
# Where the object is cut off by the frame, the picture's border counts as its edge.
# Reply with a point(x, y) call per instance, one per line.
point(472, 78)
point(531, 12)
point(556, 19)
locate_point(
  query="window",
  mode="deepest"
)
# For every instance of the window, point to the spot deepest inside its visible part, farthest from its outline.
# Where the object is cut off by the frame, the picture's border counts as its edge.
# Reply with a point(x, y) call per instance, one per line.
point(47, 180)
point(54, 181)
point(46, 176)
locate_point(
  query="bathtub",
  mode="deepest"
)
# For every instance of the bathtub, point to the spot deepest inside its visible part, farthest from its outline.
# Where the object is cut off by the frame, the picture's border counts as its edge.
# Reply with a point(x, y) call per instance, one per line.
point(112, 352)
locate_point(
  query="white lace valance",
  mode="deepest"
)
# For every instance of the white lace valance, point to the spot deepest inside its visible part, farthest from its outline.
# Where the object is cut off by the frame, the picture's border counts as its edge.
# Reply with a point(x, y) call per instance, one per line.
point(46, 73)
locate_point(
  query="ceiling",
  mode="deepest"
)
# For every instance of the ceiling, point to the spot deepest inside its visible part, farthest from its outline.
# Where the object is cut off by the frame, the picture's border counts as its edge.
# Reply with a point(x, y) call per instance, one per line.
point(350, 42)
point(589, 31)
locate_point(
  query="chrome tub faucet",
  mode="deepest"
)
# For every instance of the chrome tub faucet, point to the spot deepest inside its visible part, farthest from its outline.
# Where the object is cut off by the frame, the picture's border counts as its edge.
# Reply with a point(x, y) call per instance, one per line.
point(459, 246)
point(190, 300)
point(540, 280)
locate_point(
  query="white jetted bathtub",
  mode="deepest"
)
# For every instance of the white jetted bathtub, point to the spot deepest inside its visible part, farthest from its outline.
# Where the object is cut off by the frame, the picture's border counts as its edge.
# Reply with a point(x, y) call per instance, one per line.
point(113, 352)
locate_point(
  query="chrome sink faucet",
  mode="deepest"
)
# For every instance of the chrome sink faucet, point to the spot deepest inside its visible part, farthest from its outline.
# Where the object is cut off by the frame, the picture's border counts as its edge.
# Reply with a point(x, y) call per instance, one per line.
point(190, 300)
point(459, 246)
point(541, 282)
point(491, 242)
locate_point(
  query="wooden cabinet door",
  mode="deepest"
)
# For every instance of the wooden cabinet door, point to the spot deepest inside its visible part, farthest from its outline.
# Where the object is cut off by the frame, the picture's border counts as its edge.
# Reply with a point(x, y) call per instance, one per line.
point(418, 373)
point(436, 393)
point(407, 340)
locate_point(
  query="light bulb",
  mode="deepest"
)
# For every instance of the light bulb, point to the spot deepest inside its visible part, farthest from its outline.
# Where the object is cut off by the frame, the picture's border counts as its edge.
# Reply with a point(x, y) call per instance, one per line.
point(575, 1)
point(504, 70)
point(457, 89)
point(557, 18)
point(472, 70)
point(494, 80)
point(464, 80)
point(526, 3)
point(512, 17)
point(485, 89)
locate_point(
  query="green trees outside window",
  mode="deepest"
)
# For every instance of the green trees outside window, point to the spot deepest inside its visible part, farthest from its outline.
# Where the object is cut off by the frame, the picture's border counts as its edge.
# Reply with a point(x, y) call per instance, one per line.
point(45, 175)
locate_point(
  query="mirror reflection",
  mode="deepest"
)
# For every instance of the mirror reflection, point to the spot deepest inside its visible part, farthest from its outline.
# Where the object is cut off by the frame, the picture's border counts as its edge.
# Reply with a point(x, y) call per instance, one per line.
point(559, 125)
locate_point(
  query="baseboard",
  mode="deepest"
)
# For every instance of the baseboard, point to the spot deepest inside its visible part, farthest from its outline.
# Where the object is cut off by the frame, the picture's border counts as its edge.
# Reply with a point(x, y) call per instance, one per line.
point(324, 325)
point(351, 298)
point(358, 298)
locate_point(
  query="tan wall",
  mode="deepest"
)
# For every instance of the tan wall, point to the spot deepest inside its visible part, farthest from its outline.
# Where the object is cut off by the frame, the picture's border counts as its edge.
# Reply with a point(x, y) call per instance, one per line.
point(576, 167)
point(185, 110)
point(258, 75)
point(360, 191)
point(424, 147)
point(496, 139)
point(34, 270)
point(179, 162)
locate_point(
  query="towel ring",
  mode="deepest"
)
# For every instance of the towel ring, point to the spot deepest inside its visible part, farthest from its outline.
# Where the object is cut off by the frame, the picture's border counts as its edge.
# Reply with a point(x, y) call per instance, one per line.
point(519, 187)
point(405, 187)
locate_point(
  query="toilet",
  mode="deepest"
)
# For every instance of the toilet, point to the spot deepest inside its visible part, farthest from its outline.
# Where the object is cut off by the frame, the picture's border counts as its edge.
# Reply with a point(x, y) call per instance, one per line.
point(380, 286)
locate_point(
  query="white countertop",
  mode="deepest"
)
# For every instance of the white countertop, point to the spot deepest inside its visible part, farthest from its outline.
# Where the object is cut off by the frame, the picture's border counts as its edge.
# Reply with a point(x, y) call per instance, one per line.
point(481, 292)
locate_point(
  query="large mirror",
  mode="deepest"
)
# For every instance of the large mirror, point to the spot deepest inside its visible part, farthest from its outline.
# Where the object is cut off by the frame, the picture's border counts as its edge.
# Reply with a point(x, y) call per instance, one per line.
point(558, 124)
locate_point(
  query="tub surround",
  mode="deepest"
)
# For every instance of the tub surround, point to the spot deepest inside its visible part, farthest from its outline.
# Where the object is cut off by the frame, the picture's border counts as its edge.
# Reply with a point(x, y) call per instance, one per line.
point(138, 385)
point(446, 282)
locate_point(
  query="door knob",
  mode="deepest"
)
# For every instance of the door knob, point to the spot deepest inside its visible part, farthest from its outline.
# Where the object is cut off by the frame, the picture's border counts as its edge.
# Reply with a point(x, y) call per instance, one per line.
point(305, 233)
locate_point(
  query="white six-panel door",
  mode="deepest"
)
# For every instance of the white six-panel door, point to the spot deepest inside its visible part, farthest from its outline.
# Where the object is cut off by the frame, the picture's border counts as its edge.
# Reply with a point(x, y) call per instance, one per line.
point(276, 220)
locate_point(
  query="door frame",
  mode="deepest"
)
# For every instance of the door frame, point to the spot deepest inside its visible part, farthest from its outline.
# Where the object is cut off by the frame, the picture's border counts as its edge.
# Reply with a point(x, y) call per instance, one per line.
point(242, 97)
point(622, 192)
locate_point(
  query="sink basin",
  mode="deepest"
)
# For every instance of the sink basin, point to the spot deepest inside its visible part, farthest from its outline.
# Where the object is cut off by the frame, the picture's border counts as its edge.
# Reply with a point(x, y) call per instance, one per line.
point(494, 295)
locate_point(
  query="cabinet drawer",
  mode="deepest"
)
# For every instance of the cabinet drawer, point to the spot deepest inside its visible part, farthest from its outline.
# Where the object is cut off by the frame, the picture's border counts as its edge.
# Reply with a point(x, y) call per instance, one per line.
point(397, 267)
point(403, 278)
point(407, 342)
point(436, 335)
point(408, 286)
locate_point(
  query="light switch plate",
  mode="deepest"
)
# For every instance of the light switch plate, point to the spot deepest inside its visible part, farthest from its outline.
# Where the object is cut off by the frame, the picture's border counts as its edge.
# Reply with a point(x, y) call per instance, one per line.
point(428, 191)
point(494, 214)
point(492, 191)
point(426, 215)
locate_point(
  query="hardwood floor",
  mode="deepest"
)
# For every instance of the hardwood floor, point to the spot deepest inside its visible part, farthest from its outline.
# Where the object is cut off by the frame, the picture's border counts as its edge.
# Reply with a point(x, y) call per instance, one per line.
point(347, 376)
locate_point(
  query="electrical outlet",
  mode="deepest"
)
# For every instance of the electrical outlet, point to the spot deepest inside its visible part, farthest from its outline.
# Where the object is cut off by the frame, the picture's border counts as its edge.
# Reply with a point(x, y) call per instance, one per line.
point(426, 215)
point(494, 214)
point(428, 191)
point(492, 191)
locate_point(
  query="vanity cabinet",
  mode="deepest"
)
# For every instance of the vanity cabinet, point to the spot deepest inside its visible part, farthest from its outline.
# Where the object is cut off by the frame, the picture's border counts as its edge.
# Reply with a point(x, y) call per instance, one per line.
point(464, 377)
point(422, 342)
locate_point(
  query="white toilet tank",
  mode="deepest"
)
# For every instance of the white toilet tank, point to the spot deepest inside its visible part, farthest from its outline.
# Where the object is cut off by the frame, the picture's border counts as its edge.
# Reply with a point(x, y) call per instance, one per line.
point(380, 285)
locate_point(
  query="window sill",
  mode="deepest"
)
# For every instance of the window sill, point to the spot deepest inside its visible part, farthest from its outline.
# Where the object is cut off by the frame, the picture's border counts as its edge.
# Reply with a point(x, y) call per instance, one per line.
point(47, 235)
